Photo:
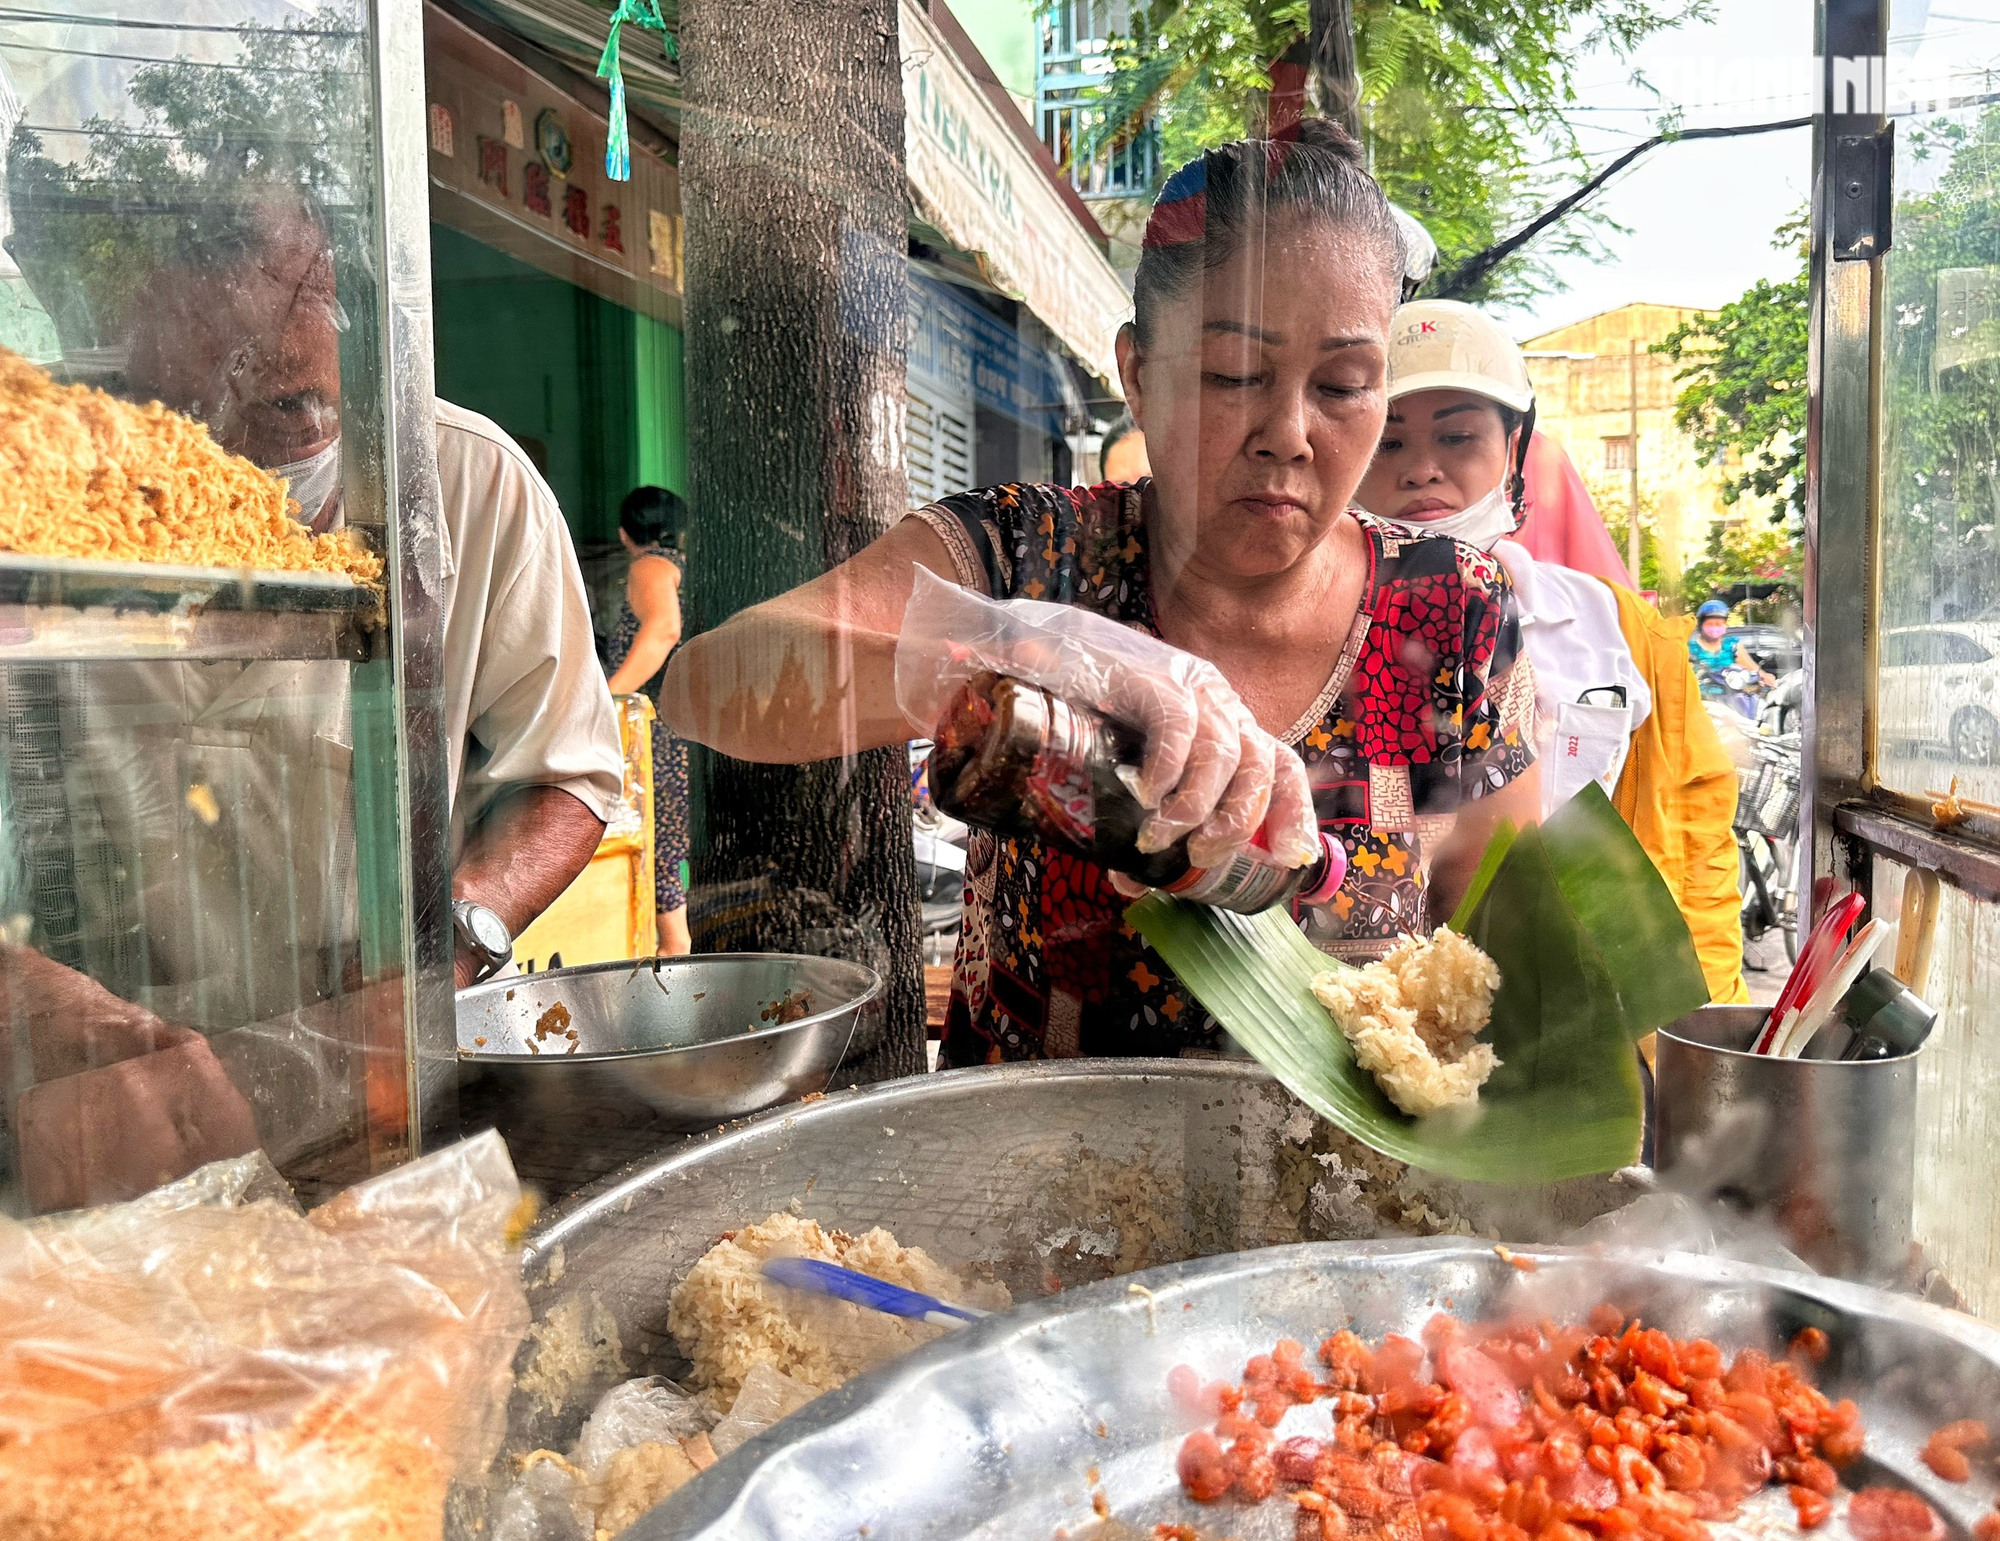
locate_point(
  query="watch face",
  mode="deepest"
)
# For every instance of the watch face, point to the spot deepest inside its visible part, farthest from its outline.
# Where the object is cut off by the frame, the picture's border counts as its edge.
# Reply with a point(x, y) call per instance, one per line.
point(488, 930)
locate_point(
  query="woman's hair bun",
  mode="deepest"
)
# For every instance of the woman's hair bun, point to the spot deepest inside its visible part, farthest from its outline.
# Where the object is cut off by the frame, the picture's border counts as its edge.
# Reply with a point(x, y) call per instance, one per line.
point(1326, 134)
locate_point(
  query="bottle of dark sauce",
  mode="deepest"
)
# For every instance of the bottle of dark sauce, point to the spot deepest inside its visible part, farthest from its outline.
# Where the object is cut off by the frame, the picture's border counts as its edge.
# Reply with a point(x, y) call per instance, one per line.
point(1012, 758)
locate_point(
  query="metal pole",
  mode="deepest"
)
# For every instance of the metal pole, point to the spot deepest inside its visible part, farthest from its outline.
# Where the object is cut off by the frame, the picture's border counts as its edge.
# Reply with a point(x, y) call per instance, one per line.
point(1632, 458)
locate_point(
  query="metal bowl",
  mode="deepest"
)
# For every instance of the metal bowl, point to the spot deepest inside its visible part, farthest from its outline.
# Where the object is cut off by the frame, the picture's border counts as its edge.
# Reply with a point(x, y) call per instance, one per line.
point(1012, 1427)
point(694, 1038)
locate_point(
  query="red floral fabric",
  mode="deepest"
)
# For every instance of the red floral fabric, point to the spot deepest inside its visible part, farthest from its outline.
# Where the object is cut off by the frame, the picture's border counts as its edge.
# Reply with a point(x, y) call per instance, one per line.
point(1430, 706)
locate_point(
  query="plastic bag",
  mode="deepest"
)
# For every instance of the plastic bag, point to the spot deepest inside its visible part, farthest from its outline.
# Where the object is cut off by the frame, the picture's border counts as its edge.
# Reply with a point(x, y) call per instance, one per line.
point(210, 1364)
point(1209, 770)
point(644, 1440)
point(639, 1412)
point(767, 1396)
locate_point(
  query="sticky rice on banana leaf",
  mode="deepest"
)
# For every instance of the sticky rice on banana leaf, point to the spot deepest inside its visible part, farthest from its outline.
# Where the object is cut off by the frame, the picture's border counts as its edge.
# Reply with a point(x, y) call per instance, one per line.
point(1591, 955)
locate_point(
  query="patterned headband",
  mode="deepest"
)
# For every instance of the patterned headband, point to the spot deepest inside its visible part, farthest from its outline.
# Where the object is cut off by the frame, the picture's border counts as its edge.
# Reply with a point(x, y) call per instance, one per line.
point(1180, 214)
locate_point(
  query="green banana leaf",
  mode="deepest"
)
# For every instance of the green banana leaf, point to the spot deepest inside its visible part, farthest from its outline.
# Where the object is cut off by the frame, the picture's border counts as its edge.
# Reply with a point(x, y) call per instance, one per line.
point(1553, 906)
point(1618, 895)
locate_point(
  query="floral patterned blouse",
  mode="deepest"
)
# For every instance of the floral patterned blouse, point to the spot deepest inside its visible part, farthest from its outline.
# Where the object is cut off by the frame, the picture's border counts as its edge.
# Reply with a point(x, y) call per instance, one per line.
point(1431, 703)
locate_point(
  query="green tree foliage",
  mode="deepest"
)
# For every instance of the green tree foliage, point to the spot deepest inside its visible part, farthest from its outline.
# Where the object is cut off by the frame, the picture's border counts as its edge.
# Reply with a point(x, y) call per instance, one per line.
point(1742, 551)
point(1743, 387)
point(1744, 384)
point(1463, 104)
point(289, 110)
point(1941, 378)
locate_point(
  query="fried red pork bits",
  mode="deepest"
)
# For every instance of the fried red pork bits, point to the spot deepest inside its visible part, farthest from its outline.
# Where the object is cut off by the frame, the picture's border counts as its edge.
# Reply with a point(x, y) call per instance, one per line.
point(1605, 1432)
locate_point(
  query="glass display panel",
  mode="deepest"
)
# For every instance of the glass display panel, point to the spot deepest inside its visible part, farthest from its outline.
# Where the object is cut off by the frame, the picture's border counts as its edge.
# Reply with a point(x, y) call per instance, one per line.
point(1957, 1219)
point(1937, 687)
point(198, 815)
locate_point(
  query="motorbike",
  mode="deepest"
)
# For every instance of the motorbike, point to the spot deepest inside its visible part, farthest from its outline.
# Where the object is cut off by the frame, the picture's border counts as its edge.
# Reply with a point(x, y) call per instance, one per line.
point(1739, 686)
point(1784, 706)
point(1769, 851)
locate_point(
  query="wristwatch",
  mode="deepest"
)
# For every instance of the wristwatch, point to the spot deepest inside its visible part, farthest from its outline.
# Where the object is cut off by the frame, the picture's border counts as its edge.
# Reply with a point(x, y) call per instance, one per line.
point(484, 934)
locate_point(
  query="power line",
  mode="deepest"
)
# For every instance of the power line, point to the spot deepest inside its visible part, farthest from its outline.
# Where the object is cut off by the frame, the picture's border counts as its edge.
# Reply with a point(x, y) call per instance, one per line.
point(1458, 280)
point(91, 53)
point(273, 136)
point(8, 13)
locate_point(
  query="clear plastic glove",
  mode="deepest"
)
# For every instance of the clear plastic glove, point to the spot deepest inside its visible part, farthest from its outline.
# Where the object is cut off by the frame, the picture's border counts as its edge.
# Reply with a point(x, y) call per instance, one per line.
point(1210, 773)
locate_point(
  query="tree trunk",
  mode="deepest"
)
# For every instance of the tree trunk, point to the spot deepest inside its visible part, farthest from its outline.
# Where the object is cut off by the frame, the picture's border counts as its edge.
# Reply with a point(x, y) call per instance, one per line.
point(793, 188)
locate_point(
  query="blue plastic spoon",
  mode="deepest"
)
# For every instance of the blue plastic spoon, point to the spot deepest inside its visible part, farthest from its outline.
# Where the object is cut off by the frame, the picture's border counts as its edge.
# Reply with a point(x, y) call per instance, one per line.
point(806, 1273)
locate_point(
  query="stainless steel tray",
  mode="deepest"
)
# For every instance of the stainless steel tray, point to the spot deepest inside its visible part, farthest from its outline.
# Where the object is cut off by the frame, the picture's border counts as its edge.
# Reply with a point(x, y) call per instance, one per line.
point(1042, 1176)
point(60, 608)
point(996, 1432)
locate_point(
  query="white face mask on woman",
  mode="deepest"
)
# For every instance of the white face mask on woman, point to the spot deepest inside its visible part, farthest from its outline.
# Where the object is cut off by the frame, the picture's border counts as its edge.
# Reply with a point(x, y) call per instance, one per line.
point(311, 481)
point(1480, 523)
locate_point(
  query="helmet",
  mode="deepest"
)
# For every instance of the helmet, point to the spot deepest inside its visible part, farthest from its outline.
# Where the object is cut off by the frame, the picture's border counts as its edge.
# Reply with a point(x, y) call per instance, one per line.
point(1712, 607)
point(1444, 345)
point(1420, 252)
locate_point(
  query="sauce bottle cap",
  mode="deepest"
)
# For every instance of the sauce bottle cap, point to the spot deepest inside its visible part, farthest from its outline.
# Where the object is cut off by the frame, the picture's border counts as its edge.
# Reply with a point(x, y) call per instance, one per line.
point(1331, 872)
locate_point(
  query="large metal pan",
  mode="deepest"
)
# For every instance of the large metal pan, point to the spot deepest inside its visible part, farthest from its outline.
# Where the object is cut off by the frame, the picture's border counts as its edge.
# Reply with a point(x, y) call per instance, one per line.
point(1041, 1176)
point(1008, 1428)
point(696, 1039)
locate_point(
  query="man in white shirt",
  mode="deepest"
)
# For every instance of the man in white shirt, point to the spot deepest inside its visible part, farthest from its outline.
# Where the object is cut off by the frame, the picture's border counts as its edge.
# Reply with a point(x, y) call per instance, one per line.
point(237, 909)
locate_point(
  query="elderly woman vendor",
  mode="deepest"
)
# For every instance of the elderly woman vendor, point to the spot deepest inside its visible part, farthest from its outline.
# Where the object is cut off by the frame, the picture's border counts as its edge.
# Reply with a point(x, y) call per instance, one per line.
point(1361, 679)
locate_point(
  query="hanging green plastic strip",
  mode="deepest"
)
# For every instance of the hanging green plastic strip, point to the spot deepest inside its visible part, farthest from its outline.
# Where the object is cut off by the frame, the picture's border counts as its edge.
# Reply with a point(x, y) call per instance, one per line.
point(618, 142)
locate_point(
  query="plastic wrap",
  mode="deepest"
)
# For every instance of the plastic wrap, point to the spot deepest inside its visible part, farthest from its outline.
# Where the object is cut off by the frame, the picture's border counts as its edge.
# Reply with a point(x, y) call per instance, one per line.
point(767, 1396)
point(645, 1439)
point(1209, 770)
point(207, 1363)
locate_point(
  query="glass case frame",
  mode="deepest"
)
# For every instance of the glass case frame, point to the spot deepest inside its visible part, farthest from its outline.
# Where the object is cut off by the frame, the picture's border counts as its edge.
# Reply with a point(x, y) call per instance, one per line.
point(66, 612)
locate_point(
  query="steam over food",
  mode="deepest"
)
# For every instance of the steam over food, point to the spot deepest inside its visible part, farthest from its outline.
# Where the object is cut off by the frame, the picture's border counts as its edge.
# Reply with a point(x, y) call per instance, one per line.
point(1414, 1019)
point(86, 475)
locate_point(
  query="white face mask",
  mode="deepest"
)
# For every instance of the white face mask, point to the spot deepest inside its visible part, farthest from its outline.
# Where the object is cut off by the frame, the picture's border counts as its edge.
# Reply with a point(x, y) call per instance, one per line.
point(1480, 523)
point(311, 481)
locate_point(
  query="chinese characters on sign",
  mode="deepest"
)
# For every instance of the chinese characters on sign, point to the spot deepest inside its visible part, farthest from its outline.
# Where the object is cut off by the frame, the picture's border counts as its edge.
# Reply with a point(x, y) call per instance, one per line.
point(663, 246)
point(493, 164)
point(522, 150)
point(535, 188)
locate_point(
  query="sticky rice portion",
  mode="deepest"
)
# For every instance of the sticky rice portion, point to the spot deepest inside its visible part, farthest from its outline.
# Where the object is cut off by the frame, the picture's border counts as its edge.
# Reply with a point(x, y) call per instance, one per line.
point(1414, 1018)
point(727, 1316)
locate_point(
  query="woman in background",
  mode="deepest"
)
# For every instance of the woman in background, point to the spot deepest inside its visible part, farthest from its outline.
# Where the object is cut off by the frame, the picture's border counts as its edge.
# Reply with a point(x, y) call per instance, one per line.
point(652, 524)
point(1616, 701)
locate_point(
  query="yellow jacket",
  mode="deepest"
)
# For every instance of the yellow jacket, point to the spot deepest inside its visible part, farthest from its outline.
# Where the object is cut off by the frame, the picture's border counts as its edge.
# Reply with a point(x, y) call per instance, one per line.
point(1678, 792)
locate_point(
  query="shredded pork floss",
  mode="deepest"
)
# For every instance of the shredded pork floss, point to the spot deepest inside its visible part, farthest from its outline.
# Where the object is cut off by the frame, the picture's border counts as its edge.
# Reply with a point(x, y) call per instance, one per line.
point(727, 1317)
point(88, 476)
point(205, 1365)
point(1414, 1019)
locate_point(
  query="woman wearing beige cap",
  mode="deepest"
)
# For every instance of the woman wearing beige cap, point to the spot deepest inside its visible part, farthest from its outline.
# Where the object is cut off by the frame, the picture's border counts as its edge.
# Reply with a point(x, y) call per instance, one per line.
point(1616, 701)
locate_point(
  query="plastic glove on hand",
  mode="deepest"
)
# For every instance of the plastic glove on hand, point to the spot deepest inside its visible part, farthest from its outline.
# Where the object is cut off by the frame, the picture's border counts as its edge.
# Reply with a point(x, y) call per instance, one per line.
point(1209, 772)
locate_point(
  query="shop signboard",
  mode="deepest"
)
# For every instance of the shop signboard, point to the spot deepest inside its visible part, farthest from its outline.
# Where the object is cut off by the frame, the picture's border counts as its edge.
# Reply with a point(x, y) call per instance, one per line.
point(973, 179)
point(971, 353)
point(518, 164)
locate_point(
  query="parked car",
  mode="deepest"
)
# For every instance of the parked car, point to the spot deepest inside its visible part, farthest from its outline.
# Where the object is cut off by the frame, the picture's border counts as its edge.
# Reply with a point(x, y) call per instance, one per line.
point(1940, 685)
point(1776, 649)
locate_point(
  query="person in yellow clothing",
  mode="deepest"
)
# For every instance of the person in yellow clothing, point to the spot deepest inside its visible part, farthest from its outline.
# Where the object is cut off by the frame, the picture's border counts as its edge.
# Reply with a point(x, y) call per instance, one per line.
point(1616, 700)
